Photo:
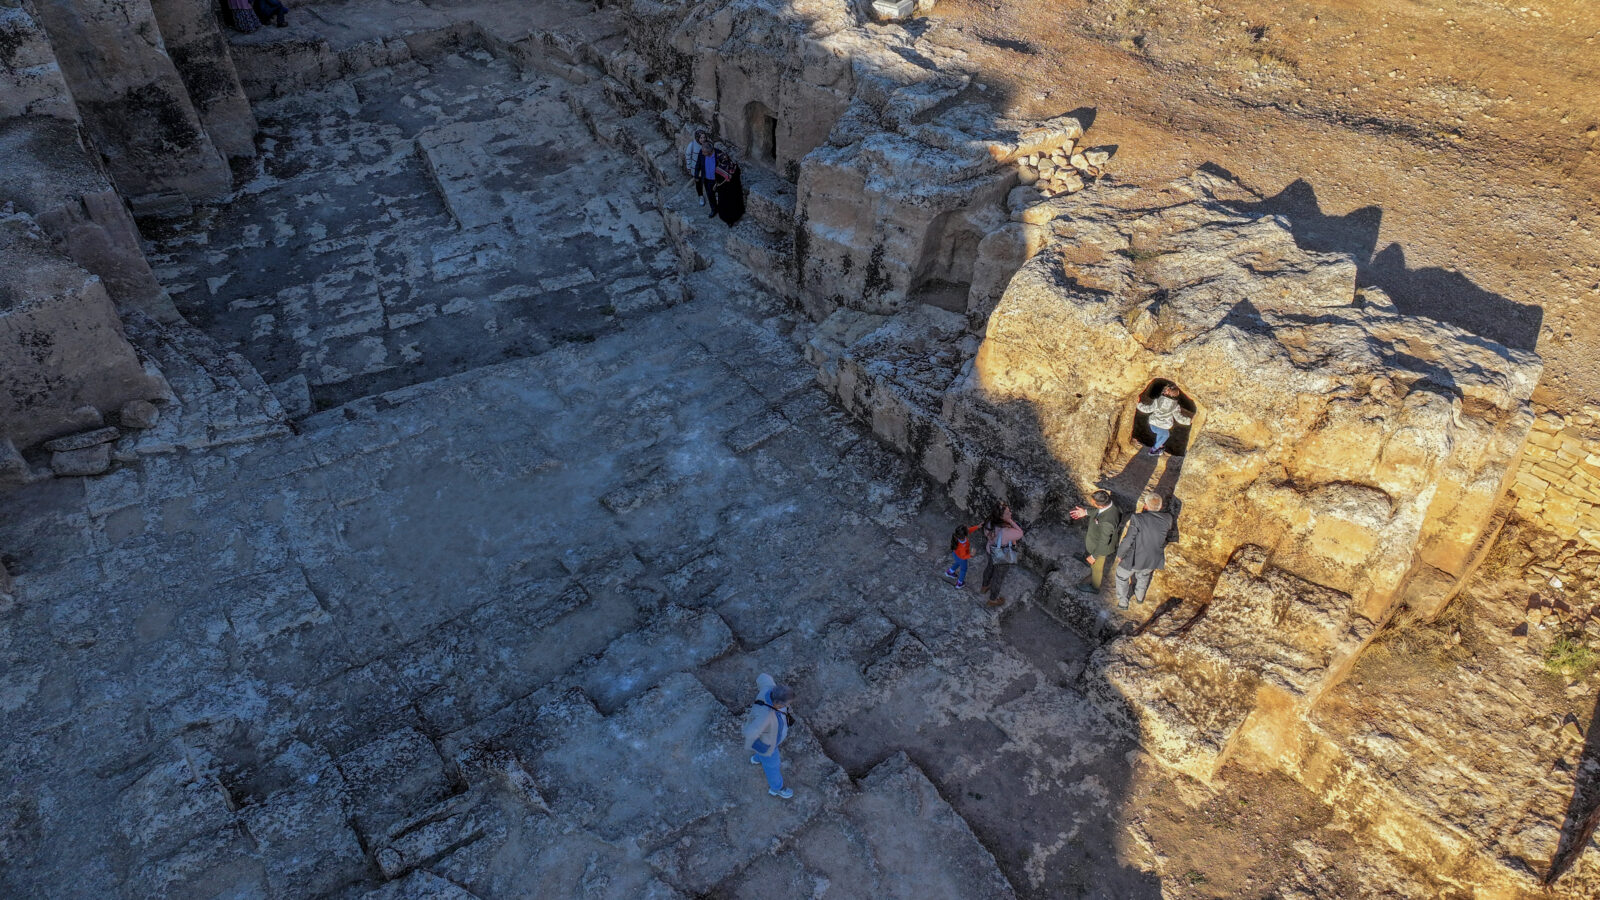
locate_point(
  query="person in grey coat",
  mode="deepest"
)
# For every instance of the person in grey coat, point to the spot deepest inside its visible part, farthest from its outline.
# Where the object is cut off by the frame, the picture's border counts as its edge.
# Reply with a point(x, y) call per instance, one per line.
point(1100, 541)
point(1143, 549)
point(767, 728)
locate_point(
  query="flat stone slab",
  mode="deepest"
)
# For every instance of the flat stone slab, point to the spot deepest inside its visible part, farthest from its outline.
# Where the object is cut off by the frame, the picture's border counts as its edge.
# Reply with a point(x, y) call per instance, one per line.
point(895, 838)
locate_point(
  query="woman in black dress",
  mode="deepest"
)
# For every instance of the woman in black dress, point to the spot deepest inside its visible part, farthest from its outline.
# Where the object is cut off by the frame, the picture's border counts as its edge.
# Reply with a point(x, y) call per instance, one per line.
point(730, 190)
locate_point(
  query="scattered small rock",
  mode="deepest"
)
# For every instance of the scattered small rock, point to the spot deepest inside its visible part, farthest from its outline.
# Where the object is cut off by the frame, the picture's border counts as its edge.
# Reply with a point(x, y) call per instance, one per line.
point(83, 439)
point(139, 414)
point(1571, 732)
point(85, 461)
point(84, 418)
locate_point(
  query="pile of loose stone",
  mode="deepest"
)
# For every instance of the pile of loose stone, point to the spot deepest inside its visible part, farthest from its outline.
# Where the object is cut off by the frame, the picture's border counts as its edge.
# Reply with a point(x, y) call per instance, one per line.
point(1063, 169)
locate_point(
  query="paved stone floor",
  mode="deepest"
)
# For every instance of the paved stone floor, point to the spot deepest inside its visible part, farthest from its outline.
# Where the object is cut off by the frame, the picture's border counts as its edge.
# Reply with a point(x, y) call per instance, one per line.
point(499, 627)
point(414, 222)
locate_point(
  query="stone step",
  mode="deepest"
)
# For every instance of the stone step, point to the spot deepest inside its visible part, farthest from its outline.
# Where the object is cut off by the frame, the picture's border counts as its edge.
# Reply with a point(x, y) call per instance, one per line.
point(217, 396)
point(769, 257)
point(769, 200)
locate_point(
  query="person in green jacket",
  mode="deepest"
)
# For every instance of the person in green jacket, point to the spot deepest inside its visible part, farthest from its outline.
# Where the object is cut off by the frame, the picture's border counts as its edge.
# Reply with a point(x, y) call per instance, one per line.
point(1100, 542)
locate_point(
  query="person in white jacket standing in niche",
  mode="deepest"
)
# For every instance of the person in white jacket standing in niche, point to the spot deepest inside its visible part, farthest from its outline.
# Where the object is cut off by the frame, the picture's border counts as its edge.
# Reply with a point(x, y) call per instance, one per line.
point(766, 729)
point(1164, 410)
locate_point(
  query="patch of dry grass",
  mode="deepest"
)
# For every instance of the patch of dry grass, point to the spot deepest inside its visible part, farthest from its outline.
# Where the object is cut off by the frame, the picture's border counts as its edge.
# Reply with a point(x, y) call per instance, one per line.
point(1412, 648)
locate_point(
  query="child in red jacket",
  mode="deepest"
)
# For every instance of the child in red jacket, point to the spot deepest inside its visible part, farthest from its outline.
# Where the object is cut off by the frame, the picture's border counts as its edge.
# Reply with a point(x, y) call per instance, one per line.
point(960, 553)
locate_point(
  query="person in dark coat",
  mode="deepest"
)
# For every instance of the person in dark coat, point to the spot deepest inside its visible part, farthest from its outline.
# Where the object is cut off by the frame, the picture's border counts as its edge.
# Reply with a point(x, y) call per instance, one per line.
point(729, 187)
point(1143, 549)
point(1100, 541)
point(705, 175)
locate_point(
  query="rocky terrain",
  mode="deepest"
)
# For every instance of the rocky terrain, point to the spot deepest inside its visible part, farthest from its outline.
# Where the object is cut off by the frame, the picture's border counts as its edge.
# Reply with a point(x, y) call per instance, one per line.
point(484, 472)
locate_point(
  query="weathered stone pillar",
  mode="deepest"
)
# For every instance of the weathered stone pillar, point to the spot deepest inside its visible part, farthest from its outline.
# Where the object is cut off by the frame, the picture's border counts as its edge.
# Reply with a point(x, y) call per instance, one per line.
point(135, 107)
point(198, 49)
point(64, 353)
point(30, 80)
point(50, 176)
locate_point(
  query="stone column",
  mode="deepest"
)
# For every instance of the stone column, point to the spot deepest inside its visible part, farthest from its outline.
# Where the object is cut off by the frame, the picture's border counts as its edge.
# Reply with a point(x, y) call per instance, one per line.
point(135, 107)
point(30, 81)
point(201, 55)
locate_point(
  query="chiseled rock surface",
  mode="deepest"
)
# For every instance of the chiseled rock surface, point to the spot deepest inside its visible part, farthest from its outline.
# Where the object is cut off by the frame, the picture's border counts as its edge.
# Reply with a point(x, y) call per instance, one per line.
point(1267, 645)
point(895, 838)
point(1363, 448)
point(305, 663)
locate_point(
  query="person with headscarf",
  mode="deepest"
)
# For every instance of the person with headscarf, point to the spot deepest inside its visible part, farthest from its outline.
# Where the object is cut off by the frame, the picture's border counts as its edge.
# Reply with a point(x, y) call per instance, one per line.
point(729, 187)
point(705, 175)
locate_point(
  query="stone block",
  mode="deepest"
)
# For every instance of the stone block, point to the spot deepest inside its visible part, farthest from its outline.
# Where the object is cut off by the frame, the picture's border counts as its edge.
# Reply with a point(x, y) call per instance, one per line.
point(88, 461)
point(90, 365)
point(896, 837)
point(303, 836)
point(755, 431)
point(684, 752)
point(437, 831)
point(13, 468)
point(675, 640)
point(83, 440)
point(389, 777)
point(419, 886)
point(139, 414)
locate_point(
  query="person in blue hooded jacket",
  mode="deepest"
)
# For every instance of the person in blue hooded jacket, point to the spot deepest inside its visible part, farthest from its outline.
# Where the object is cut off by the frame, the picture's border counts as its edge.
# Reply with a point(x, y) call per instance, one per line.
point(767, 728)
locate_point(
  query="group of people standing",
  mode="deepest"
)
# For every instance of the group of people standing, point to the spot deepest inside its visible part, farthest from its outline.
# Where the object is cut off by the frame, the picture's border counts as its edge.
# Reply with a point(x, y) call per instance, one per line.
point(1137, 550)
point(716, 177)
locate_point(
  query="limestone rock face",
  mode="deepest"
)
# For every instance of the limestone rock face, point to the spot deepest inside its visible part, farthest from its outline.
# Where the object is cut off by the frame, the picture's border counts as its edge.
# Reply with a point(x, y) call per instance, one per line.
point(62, 342)
point(30, 79)
point(51, 175)
point(190, 34)
point(135, 106)
point(1358, 446)
point(1263, 651)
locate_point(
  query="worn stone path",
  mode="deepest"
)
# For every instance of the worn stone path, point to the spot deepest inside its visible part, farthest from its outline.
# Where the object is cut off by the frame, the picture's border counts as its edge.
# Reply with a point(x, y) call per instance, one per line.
point(415, 222)
point(499, 627)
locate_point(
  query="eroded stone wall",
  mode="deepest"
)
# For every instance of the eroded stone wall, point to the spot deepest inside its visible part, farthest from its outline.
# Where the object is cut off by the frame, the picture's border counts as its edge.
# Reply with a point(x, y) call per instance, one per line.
point(1558, 483)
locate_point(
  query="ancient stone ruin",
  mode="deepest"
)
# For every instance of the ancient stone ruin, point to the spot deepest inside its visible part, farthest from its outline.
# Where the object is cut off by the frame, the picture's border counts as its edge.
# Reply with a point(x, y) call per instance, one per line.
point(407, 479)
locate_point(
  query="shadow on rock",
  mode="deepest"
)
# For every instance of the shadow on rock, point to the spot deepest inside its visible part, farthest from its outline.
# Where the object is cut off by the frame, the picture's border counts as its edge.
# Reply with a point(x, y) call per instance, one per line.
point(1430, 291)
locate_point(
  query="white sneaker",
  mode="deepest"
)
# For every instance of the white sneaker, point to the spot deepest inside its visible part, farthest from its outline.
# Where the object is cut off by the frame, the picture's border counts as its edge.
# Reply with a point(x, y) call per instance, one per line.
point(786, 793)
point(702, 201)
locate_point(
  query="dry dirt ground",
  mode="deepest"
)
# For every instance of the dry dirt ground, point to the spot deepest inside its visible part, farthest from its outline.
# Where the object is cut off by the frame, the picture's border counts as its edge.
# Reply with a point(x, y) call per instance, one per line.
point(1454, 148)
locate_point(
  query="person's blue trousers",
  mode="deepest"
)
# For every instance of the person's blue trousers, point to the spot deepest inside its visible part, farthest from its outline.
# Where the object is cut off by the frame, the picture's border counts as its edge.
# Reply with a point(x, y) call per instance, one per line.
point(1161, 437)
point(770, 765)
point(958, 567)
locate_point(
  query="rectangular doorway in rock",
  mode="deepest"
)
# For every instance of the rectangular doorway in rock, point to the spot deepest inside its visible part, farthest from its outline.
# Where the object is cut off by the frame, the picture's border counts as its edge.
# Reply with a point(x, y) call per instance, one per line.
point(761, 133)
point(943, 273)
point(414, 222)
point(1178, 439)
